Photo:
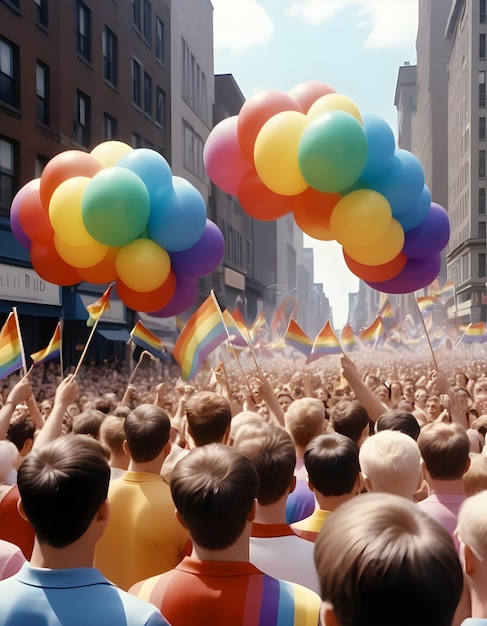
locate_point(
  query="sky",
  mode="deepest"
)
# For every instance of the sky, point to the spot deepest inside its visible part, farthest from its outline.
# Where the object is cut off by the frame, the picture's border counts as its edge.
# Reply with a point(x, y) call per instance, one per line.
point(356, 46)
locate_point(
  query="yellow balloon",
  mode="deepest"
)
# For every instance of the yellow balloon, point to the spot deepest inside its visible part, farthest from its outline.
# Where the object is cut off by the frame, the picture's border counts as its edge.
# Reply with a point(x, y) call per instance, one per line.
point(109, 152)
point(360, 218)
point(143, 265)
point(383, 250)
point(276, 153)
point(334, 102)
point(80, 256)
point(65, 212)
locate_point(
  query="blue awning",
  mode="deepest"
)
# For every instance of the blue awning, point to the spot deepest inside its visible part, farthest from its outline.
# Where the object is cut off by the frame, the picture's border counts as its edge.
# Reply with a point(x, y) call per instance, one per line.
point(119, 334)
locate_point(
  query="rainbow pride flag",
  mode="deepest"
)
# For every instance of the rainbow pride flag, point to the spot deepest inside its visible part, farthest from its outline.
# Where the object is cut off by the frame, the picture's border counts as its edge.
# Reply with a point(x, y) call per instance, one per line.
point(296, 338)
point(258, 326)
point(202, 333)
point(146, 339)
point(347, 338)
point(280, 320)
point(427, 303)
point(96, 309)
point(447, 291)
point(373, 333)
point(325, 343)
point(52, 350)
point(475, 333)
point(10, 347)
point(236, 337)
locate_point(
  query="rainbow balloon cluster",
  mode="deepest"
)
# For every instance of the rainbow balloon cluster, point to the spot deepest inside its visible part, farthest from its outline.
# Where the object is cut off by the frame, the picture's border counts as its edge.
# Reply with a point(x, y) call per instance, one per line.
point(118, 214)
point(311, 152)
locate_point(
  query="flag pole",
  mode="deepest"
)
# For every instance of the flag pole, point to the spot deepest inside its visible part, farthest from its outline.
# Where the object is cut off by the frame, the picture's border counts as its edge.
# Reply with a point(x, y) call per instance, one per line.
point(61, 332)
point(457, 343)
point(87, 345)
point(139, 362)
point(426, 333)
point(22, 350)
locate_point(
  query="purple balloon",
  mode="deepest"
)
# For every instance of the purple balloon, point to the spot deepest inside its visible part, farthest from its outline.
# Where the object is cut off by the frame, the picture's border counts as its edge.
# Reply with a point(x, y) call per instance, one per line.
point(184, 296)
point(416, 274)
point(430, 237)
point(202, 258)
point(17, 230)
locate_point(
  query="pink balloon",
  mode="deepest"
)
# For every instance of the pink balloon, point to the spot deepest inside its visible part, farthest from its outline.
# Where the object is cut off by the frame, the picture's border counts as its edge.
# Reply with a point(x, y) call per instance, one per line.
point(222, 157)
point(15, 225)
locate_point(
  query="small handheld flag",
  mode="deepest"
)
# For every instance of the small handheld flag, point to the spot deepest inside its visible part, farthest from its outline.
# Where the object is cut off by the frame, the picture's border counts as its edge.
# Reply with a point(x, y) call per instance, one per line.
point(146, 339)
point(10, 347)
point(325, 343)
point(298, 339)
point(53, 349)
point(96, 309)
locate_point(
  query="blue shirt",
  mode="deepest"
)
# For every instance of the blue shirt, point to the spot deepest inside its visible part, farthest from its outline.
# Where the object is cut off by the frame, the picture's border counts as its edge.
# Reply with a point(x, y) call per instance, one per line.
point(70, 597)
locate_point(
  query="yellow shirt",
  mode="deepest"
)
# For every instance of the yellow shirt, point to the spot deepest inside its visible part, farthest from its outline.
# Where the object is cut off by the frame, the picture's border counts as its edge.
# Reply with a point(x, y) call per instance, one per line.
point(309, 527)
point(143, 536)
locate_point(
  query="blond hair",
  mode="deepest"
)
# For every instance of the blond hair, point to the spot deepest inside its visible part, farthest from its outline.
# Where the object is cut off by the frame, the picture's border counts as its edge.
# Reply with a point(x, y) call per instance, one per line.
point(304, 419)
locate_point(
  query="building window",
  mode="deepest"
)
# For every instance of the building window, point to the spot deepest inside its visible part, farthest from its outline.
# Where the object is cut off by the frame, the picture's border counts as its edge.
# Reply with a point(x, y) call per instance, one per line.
point(9, 73)
point(482, 201)
point(136, 13)
point(482, 88)
point(40, 163)
point(136, 140)
point(136, 83)
point(481, 128)
point(194, 84)
point(9, 151)
point(147, 94)
point(110, 56)
point(481, 264)
point(161, 107)
point(193, 151)
point(159, 39)
point(42, 93)
point(147, 21)
point(481, 163)
point(482, 11)
point(110, 127)
point(83, 30)
point(83, 118)
point(41, 12)
point(482, 231)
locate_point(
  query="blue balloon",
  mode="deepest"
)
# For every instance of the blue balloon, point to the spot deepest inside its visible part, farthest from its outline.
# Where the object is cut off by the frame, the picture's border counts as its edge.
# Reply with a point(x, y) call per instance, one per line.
point(152, 168)
point(202, 258)
point(179, 218)
point(381, 146)
point(402, 182)
point(417, 212)
point(430, 237)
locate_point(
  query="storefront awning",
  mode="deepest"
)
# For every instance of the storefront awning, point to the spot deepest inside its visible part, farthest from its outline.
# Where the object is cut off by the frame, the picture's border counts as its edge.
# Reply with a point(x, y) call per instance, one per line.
point(119, 334)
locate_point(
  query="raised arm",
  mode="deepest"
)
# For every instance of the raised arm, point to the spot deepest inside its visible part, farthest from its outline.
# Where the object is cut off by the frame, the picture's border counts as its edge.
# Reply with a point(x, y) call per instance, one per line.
point(364, 395)
point(66, 394)
point(20, 392)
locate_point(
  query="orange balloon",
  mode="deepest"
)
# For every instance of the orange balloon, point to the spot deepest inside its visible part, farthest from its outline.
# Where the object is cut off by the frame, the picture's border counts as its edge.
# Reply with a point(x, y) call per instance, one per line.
point(259, 201)
point(33, 219)
point(50, 266)
point(376, 273)
point(66, 165)
point(307, 93)
point(148, 301)
point(104, 271)
point(312, 211)
point(256, 111)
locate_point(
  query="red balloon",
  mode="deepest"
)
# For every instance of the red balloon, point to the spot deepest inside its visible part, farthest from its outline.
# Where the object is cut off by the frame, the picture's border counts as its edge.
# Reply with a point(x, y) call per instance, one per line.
point(33, 219)
point(307, 93)
point(376, 273)
point(256, 111)
point(148, 301)
point(312, 212)
point(50, 266)
point(66, 165)
point(259, 201)
point(103, 272)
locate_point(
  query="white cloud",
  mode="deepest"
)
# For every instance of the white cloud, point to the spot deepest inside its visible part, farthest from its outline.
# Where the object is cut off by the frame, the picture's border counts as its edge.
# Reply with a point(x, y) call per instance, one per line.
point(391, 23)
point(240, 25)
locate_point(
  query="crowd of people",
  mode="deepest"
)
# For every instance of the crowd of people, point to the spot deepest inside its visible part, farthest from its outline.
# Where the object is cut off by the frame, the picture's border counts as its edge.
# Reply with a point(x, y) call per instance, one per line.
point(351, 491)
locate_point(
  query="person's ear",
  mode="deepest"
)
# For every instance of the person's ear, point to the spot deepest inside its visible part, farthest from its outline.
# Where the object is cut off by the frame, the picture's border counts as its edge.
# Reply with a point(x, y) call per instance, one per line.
point(21, 510)
point(367, 483)
point(327, 615)
point(180, 519)
point(103, 512)
point(358, 486)
point(125, 447)
point(226, 436)
point(292, 485)
point(468, 559)
point(310, 485)
point(251, 516)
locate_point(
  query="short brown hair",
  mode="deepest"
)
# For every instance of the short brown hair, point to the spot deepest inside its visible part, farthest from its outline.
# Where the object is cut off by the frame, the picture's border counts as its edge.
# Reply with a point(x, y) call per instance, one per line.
point(112, 433)
point(349, 418)
point(475, 478)
point(445, 450)
point(147, 430)
point(383, 561)
point(332, 464)
point(209, 415)
point(304, 419)
point(272, 453)
point(214, 488)
point(88, 423)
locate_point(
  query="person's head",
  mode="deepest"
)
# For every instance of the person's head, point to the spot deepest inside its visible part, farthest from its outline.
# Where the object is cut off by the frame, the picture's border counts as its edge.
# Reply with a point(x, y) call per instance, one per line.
point(461, 380)
point(147, 430)
point(383, 392)
point(62, 486)
point(420, 396)
point(433, 407)
point(445, 450)
point(304, 419)
point(21, 432)
point(209, 416)
point(391, 463)
point(395, 419)
point(396, 390)
point(371, 381)
point(350, 418)
point(475, 478)
point(408, 392)
point(382, 561)
point(472, 528)
point(242, 419)
point(88, 423)
point(463, 399)
point(332, 463)
point(285, 399)
point(272, 453)
point(112, 434)
point(214, 489)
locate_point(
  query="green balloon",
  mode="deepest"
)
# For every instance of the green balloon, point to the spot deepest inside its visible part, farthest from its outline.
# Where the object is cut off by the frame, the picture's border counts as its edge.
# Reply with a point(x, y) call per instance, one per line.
point(332, 152)
point(115, 206)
